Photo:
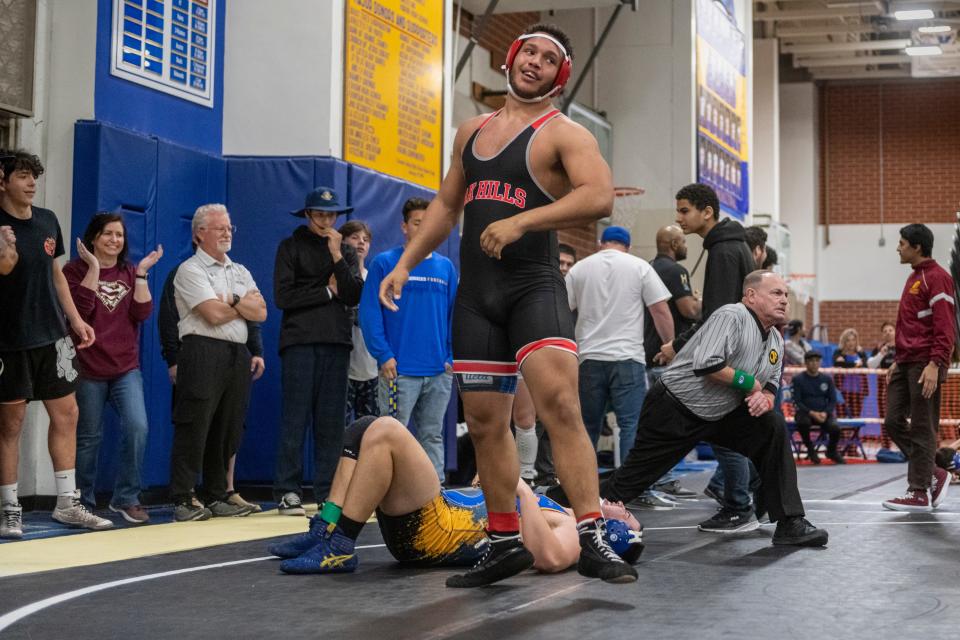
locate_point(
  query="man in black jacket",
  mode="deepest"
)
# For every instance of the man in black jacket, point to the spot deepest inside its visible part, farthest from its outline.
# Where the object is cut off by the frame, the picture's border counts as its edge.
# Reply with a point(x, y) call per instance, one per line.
point(168, 319)
point(729, 260)
point(316, 283)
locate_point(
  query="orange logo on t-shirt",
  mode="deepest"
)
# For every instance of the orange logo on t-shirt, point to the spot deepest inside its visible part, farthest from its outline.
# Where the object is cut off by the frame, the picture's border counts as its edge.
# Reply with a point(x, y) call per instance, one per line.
point(915, 288)
point(50, 246)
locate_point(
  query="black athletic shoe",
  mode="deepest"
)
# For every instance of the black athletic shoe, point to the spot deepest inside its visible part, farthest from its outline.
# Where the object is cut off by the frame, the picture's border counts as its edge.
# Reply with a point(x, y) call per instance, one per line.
point(729, 521)
point(797, 531)
point(505, 558)
point(598, 560)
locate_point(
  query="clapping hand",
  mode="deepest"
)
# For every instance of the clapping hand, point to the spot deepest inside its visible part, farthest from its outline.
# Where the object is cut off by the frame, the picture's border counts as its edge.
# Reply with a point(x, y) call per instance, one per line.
point(149, 260)
point(86, 255)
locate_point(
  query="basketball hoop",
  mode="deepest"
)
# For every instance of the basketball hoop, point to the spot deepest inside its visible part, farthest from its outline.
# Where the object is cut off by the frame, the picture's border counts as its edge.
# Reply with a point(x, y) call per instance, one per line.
point(626, 205)
point(803, 286)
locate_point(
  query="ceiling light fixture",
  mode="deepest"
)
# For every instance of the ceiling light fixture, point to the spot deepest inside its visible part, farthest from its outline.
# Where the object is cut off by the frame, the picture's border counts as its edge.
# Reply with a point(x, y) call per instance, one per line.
point(932, 50)
point(940, 28)
point(914, 14)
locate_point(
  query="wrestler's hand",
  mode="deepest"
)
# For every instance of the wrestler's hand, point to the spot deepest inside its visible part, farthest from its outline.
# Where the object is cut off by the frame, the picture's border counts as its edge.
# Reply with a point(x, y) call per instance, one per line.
point(498, 235)
point(391, 286)
point(893, 367)
point(759, 402)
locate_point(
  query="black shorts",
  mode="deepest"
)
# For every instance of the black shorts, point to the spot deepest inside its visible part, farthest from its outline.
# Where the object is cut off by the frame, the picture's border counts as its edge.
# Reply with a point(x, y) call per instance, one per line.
point(41, 373)
point(495, 331)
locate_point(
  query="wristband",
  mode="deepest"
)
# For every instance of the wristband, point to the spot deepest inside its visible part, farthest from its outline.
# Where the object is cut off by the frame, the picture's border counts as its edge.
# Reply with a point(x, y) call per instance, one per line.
point(141, 277)
point(742, 380)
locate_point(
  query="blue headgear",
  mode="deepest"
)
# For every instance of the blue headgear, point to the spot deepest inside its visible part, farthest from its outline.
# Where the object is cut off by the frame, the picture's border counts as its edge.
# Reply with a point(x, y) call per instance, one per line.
point(620, 537)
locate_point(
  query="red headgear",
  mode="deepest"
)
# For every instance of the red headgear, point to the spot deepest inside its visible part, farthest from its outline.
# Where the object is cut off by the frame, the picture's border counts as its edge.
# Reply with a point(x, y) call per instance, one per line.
point(563, 74)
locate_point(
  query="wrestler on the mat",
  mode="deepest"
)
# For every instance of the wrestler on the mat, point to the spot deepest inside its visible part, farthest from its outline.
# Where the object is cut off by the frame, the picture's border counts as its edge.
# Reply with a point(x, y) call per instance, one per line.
point(383, 467)
point(518, 175)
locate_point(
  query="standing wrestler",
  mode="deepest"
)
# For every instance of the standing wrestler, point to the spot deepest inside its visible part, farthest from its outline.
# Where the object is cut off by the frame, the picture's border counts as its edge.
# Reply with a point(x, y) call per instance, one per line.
point(519, 175)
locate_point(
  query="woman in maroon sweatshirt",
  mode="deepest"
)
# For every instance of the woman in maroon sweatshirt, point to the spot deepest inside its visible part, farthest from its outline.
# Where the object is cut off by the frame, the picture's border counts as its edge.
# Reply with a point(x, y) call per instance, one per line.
point(112, 296)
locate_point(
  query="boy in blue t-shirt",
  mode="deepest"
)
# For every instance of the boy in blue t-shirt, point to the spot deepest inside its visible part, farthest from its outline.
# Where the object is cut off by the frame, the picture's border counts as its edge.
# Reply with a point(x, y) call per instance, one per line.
point(815, 398)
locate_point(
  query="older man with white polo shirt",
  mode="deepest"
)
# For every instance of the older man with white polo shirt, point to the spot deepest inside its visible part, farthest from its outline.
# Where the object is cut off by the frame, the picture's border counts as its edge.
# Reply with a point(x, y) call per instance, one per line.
point(609, 291)
point(215, 298)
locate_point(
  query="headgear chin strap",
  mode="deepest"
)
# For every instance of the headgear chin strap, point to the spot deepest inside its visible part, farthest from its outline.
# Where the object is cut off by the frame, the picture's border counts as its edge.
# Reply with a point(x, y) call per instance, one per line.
point(563, 73)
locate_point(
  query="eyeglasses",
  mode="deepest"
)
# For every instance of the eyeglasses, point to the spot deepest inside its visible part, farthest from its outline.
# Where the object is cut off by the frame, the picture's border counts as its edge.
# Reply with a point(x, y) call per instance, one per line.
point(223, 230)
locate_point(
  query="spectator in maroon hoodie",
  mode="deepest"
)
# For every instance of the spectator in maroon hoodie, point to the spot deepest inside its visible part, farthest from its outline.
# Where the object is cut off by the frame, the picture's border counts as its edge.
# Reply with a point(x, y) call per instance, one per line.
point(925, 334)
point(113, 297)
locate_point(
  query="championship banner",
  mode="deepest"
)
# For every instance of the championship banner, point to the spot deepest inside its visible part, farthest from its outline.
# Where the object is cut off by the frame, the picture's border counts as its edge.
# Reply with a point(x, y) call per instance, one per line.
point(393, 88)
point(722, 154)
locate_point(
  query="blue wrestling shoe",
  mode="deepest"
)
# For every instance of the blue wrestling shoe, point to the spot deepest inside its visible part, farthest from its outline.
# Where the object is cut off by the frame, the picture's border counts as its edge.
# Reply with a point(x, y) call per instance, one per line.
point(303, 542)
point(334, 554)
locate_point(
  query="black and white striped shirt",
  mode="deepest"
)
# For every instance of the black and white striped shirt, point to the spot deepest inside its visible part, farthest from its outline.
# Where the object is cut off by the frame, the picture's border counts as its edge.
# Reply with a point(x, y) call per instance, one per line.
point(731, 337)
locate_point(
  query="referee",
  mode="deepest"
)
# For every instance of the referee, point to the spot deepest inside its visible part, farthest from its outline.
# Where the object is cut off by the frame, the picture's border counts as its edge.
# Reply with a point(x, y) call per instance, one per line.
point(721, 388)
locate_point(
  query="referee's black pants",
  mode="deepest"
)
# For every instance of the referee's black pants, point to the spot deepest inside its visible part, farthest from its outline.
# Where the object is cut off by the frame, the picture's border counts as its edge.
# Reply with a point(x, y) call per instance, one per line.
point(668, 430)
point(213, 389)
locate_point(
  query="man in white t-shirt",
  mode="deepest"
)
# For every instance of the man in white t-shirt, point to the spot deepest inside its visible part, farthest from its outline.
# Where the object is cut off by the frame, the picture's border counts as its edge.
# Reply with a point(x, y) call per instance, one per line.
point(609, 291)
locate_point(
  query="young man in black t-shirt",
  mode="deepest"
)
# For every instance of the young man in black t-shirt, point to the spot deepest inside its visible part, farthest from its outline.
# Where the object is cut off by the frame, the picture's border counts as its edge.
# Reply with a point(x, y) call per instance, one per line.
point(36, 352)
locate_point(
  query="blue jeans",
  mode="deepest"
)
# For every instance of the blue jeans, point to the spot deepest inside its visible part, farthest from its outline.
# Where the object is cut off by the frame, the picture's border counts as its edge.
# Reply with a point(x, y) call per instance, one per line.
point(735, 479)
point(314, 390)
point(425, 399)
point(622, 384)
point(125, 395)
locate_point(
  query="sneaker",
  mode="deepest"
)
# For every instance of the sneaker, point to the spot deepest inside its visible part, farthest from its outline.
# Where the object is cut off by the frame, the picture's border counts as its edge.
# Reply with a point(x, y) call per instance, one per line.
point(652, 500)
point(11, 521)
point(301, 543)
point(187, 511)
point(598, 560)
point(713, 495)
point(134, 514)
point(195, 501)
point(290, 505)
point(910, 501)
point(222, 509)
point(504, 558)
point(76, 515)
point(674, 489)
point(797, 531)
point(616, 511)
point(333, 554)
point(236, 499)
point(729, 521)
point(938, 486)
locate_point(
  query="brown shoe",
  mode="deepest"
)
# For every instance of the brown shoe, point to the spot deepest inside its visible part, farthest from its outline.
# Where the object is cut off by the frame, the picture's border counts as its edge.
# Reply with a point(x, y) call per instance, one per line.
point(134, 514)
point(235, 499)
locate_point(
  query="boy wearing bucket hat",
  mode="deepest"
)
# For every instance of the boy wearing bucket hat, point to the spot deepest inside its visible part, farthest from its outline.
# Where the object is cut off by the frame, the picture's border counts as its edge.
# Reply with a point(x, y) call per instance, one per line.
point(316, 281)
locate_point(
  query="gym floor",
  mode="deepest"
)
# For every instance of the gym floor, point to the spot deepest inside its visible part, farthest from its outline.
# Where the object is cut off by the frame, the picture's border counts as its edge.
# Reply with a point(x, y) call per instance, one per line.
point(883, 575)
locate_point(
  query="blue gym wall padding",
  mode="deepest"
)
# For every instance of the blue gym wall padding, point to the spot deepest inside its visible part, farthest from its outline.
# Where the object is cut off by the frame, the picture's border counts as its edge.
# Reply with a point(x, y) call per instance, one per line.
point(158, 185)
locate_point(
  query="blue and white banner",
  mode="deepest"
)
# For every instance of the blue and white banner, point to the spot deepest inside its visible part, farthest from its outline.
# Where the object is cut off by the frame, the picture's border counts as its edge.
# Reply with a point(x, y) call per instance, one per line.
point(167, 45)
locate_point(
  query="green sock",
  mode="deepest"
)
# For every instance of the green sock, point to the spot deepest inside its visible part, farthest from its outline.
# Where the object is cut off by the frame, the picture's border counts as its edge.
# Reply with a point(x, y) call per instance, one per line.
point(330, 513)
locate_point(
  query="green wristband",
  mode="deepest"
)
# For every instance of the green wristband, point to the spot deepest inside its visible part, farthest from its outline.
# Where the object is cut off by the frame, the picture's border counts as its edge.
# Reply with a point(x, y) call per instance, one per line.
point(742, 380)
